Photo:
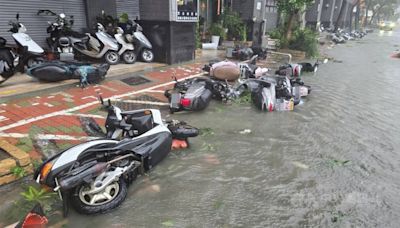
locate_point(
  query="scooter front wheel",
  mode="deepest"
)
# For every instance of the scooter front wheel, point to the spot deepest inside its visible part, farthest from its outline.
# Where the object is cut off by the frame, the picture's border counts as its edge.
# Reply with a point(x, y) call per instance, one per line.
point(147, 55)
point(111, 57)
point(109, 198)
point(129, 57)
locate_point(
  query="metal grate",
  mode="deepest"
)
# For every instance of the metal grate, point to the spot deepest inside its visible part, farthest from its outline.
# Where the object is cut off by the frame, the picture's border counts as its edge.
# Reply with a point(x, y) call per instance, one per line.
point(135, 80)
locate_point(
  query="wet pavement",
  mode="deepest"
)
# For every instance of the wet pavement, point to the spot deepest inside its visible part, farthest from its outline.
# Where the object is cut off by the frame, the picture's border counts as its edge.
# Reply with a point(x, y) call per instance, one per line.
point(333, 162)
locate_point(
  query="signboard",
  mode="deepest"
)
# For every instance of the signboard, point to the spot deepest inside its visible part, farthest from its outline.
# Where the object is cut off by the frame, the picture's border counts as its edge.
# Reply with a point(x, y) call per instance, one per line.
point(187, 10)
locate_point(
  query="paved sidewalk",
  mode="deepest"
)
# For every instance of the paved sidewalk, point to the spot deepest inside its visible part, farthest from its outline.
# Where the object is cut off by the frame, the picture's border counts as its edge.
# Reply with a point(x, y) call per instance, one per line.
point(42, 119)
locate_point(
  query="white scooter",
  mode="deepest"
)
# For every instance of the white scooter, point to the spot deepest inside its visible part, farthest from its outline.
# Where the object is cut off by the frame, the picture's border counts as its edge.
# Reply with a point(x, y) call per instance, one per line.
point(126, 50)
point(28, 53)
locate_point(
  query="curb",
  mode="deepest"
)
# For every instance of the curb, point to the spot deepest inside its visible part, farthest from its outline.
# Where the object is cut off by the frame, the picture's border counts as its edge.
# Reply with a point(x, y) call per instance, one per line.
point(17, 158)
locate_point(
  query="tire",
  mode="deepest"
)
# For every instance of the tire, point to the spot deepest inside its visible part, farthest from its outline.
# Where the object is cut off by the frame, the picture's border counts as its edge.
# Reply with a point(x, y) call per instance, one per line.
point(147, 55)
point(7, 74)
point(34, 61)
point(129, 57)
point(85, 207)
point(111, 57)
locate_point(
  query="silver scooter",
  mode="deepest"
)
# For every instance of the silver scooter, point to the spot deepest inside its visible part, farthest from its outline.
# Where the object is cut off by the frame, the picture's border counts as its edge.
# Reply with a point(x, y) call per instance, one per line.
point(28, 53)
point(102, 45)
point(126, 50)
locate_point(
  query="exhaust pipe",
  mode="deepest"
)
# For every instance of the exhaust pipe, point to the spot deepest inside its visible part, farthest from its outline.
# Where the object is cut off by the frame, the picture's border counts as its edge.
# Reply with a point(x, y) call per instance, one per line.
point(70, 182)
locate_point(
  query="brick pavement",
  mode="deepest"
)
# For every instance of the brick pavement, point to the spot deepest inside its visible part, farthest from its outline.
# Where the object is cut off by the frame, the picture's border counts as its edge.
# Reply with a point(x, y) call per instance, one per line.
point(53, 121)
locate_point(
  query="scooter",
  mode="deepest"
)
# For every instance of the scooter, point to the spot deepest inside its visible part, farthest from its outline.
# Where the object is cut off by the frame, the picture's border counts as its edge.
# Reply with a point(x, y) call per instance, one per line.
point(6, 61)
point(142, 44)
point(126, 49)
point(189, 95)
point(93, 176)
point(98, 46)
point(69, 43)
point(27, 53)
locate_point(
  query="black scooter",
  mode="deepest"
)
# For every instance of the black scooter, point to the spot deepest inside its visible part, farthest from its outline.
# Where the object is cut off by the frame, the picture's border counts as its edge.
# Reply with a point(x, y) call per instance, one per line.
point(93, 176)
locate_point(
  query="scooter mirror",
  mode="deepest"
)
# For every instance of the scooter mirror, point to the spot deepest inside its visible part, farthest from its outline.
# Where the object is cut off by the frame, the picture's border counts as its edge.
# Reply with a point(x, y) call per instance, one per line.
point(101, 100)
point(109, 102)
point(17, 16)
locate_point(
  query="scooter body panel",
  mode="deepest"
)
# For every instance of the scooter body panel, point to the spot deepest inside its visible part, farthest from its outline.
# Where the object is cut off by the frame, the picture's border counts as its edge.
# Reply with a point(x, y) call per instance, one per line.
point(124, 45)
point(25, 40)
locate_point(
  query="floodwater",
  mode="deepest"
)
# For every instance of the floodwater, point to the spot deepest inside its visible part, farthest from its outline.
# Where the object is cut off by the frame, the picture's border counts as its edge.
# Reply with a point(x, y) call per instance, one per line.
point(333, 162)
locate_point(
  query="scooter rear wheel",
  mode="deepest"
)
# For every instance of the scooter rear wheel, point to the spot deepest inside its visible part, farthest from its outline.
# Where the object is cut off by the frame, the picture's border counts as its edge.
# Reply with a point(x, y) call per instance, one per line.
point(111, 57)
point(129, 57)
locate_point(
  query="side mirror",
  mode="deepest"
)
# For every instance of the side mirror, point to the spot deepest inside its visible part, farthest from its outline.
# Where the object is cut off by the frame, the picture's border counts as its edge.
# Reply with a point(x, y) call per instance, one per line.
point(109, 102)
point(101, 100)
point(17, 16)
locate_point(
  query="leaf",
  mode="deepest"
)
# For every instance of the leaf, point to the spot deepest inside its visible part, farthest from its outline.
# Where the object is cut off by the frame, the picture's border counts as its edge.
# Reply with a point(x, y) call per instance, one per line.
point(168, 223)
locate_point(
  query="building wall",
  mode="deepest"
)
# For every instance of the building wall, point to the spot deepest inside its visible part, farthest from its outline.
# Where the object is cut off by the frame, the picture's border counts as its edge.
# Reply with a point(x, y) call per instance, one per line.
point(36, 25)
point(131, 7)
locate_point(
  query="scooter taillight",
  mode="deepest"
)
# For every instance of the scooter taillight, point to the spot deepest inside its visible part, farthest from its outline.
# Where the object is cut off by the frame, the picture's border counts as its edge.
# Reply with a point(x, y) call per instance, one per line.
point(185, 102)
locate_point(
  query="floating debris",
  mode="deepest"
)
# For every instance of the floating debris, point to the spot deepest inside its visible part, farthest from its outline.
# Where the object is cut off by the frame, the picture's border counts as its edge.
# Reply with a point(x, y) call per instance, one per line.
point(206, 131)
point(300, 165)
point(245, 132)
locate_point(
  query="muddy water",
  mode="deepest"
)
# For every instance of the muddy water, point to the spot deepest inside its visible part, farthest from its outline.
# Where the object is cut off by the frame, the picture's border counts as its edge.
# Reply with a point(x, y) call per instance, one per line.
point(333, 162)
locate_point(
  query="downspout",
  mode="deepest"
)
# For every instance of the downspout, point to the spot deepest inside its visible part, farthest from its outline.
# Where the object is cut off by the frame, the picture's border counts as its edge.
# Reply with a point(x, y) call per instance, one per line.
point(332, 13)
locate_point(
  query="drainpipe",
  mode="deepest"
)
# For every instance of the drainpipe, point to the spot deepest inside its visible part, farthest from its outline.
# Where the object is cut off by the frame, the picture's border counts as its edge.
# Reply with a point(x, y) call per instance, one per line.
point(332, 13)
point(321, 2)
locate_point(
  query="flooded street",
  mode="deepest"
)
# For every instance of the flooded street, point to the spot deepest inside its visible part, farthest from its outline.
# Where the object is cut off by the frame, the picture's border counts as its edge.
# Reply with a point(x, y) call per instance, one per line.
point(333, 162)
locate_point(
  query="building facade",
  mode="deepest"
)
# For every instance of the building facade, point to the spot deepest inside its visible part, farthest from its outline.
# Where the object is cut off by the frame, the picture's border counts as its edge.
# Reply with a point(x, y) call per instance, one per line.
point(84, 12)
point(326, 13)
point(168, 24)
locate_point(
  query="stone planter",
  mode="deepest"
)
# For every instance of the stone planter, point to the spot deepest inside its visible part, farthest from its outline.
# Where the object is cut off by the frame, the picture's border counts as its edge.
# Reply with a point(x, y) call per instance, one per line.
point(15, 157)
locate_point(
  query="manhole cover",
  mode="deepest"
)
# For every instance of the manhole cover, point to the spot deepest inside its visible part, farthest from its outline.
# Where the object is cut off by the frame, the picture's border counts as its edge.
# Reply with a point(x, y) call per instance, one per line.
point(3, 154)
point(135, 80)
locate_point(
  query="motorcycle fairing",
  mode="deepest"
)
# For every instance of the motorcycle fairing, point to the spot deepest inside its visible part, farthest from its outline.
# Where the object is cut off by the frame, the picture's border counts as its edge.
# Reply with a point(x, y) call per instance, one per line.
point(25, 40)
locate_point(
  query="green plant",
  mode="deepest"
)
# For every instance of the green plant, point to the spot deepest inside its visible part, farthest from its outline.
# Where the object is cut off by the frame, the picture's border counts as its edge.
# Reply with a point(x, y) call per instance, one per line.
point(18, 171)
point(305, 40)
point(35, 195)
point(123, 18)
point(236, 27)
point(198, 37)
point(216, 29)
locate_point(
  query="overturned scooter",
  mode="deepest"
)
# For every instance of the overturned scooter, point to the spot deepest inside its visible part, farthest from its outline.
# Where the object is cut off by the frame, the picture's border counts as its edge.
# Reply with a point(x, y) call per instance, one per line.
point(93, 176)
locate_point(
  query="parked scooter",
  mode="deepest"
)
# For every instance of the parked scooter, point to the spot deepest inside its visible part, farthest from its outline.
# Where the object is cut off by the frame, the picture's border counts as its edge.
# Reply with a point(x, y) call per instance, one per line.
point(143, 47)
point(70, 44)
point(93, 176)
point(27, 54)
point(6, 61)
point(126, 49)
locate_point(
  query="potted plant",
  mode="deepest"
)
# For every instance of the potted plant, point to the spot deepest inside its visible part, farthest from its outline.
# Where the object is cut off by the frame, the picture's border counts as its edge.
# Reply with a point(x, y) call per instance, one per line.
point(217, 32)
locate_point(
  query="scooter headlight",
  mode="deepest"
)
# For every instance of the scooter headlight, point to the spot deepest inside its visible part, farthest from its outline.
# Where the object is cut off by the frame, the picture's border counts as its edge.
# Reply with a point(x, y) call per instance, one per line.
point(45, 171)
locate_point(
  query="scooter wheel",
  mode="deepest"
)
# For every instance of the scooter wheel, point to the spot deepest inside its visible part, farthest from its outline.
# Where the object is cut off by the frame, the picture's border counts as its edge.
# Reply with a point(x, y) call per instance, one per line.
point(111, 57)
point(86, 203)
point(147, 55)
point(34, 61)
point(129, 57)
